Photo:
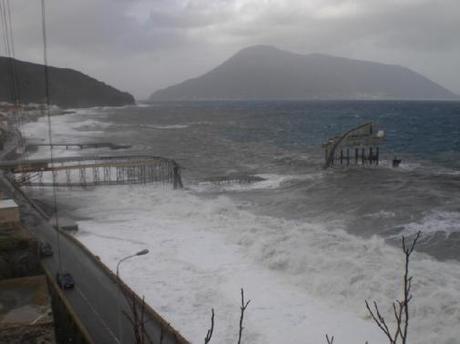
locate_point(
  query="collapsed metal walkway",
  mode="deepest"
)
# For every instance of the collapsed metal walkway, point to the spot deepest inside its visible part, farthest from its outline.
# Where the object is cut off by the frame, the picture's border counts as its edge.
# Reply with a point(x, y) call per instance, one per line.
point(93, 170)
point(356, 147)
point(70, 145)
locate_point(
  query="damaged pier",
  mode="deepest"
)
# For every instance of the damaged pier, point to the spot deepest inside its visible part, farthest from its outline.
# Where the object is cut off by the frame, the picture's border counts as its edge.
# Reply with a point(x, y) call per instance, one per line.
point(94, 170)
point(359, 146)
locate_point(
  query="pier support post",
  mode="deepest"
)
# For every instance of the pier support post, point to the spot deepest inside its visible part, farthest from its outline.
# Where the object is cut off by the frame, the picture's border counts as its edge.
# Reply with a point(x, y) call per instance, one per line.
point(177, 180)
point(68, 180)
point(95, 175)
point(83, 176)
point(54, 174)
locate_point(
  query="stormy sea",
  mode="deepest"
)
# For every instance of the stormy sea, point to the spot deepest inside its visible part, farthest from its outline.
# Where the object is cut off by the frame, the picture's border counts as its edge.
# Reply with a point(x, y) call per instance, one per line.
point(308, 245)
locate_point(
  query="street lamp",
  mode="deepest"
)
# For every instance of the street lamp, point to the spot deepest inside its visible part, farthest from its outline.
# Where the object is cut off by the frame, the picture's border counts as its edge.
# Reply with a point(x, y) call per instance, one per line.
point(140, 253)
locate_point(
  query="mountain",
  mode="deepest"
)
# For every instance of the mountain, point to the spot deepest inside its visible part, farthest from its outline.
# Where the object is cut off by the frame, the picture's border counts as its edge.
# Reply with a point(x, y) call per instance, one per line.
point(67, 87)
point(264, 72)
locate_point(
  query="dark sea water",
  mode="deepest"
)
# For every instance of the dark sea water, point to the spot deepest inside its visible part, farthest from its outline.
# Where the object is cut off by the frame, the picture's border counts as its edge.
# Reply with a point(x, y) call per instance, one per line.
point(308, 245)
point(281, 141)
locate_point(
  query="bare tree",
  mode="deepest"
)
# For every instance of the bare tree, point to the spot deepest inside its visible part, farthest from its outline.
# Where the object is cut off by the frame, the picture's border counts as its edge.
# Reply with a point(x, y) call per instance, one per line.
point(244, 305)
point(208, 337)
point(400, 308)
point(136, 318)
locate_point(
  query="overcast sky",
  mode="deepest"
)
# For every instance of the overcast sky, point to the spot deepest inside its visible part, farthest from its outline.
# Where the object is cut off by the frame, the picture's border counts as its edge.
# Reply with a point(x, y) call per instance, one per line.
point(140, 46)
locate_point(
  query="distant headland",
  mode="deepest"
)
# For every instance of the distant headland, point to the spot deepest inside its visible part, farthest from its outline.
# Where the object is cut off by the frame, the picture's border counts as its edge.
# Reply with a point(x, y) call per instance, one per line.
point(265, 72)
point(68, 88)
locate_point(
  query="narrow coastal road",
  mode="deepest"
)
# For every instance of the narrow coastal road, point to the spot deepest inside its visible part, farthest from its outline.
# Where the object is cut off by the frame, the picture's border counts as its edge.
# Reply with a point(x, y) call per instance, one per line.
point(96, 298)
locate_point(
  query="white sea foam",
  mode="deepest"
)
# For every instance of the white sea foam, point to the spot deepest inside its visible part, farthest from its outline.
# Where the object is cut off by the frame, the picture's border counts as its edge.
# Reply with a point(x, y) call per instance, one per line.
point(304, 279)
point(382, 214)
point(165, 127)
point(65, 128)
point(446, 222)
point(404, 166)
point(91, 126)
point(270, 181)
point(143, 105)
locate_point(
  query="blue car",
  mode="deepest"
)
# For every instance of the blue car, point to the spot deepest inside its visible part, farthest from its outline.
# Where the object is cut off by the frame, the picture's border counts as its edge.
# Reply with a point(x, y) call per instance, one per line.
point(65, 280)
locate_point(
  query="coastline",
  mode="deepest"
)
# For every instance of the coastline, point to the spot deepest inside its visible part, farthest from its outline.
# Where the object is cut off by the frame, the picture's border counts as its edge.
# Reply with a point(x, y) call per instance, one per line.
point(156, 326)
point(205, 246)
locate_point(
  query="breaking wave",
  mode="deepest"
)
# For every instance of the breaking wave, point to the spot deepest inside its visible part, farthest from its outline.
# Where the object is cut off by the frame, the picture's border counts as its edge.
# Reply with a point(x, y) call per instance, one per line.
point(338, 269)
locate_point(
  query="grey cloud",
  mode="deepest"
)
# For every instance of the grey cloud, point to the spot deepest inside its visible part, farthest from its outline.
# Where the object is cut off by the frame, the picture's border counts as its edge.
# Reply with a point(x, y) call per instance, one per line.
point(165, 41)
point(188, 17)
point(418, 25)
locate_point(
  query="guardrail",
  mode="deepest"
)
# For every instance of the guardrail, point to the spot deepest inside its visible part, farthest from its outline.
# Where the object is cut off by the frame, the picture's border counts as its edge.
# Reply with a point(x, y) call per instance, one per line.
point(165, 327)
point(166, 332)
point(81, 328)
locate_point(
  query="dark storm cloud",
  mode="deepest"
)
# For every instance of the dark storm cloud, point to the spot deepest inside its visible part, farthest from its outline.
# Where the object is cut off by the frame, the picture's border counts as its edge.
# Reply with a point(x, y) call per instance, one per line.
point(141, 45)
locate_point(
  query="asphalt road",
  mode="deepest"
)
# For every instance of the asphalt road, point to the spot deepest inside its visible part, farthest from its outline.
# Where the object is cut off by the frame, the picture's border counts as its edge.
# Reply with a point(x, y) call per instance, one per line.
point(96, 298)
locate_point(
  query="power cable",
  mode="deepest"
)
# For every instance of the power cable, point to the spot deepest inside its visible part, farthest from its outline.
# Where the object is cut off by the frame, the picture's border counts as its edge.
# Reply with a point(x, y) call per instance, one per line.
point(50, 136)
point(17, 89)
point(6, 47)
point(12, 75)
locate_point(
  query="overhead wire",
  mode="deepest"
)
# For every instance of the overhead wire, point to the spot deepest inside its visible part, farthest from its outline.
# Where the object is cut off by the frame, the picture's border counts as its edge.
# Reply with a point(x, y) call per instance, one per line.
point(46, 109)
point(12, 74)
point(17, 89)
point(6, 28)
point(6, 47)
point(13, 86)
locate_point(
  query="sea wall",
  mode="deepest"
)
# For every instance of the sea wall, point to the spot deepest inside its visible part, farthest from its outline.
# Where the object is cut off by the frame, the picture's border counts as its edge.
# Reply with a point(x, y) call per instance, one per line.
point(162, 330)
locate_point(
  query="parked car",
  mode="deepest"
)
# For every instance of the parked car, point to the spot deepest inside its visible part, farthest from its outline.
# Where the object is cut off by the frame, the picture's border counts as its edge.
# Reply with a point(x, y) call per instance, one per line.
point(65, 280)
point(45, 249)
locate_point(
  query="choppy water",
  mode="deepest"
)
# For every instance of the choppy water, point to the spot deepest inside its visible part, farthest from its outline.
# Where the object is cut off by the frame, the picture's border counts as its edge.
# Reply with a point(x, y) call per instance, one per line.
point(282, 141)
point(312, 228)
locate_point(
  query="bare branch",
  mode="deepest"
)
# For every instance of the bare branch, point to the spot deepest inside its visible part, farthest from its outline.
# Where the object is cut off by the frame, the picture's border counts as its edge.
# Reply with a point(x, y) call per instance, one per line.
point(398, 315)
point(329, 340)
point(406, 250)
point(379, 320)
point(400, 308)
point(244, 305)
point(407, 286)
point(207, 339)
point(137, 320)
